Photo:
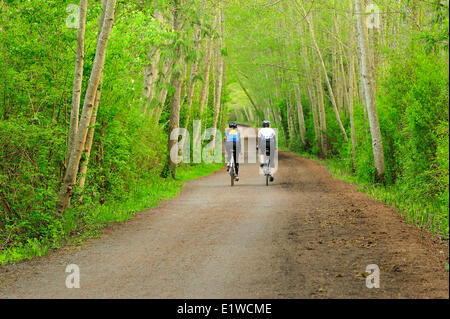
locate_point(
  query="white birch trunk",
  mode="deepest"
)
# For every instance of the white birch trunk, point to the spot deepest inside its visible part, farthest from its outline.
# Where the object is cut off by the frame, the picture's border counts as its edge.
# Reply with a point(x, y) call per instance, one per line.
point(369, 96)
point(301, 118)
point(324, 69)
point(207, 71)
point(220, 75)
point(78, 78)
point(90, 136)
point(69, 181)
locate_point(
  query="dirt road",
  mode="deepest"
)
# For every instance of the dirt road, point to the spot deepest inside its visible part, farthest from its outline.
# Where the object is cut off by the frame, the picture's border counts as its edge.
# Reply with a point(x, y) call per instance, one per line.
point(305, 236)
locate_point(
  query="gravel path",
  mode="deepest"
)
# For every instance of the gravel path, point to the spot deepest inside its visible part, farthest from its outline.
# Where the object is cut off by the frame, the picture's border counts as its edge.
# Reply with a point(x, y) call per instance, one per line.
point(305, 236)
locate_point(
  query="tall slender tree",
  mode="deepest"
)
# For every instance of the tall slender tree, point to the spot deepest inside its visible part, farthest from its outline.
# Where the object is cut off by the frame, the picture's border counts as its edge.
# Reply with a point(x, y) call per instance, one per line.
point(68, 185)
point(78, 78)
point(369, 96)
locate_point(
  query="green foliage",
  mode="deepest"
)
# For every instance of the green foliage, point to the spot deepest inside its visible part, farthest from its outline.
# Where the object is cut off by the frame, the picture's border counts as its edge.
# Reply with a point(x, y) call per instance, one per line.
point(436, 37)
point(413, 110)
point(88, 218)
point(413, 113)
point(29, 155)
point(263, 49)
point(37, 54)
point(271, 48)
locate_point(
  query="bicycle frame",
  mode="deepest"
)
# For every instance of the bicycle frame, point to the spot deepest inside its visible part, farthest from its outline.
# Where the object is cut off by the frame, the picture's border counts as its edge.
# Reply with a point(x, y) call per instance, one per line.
point(232, 170)
point(266, 168)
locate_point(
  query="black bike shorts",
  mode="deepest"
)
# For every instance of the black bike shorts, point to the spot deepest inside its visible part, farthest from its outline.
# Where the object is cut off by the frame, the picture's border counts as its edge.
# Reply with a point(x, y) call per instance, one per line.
point(233, 147)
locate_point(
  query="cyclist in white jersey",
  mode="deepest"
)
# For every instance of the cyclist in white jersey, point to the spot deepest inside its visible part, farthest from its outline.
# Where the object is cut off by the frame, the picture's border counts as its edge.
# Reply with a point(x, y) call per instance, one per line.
point(267, 144)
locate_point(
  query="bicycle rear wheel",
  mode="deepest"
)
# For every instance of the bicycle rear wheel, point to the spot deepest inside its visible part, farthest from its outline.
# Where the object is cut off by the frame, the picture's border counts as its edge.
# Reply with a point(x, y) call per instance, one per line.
point(232, 174)
point(267, 173)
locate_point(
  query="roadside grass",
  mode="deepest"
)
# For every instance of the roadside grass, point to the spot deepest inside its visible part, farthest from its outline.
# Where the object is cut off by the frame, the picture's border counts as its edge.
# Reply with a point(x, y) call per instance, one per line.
point(426, 214)
point(87, 221)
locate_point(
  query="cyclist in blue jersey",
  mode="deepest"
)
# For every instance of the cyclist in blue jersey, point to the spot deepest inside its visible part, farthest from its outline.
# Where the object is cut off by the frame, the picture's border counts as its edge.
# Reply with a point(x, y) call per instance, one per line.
point(233, 147)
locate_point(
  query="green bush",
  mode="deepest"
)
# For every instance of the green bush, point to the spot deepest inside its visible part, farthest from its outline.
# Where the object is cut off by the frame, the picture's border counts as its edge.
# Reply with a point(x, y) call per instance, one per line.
point(29, 156)
point(412, 102)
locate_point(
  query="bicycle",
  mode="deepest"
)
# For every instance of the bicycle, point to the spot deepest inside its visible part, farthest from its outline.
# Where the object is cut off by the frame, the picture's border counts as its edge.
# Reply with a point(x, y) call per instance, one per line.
point(232, 170)
point(266, 169)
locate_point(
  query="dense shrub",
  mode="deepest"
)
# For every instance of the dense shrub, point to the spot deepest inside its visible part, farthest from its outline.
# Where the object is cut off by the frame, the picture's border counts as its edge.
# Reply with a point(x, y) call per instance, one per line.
point(412, 101)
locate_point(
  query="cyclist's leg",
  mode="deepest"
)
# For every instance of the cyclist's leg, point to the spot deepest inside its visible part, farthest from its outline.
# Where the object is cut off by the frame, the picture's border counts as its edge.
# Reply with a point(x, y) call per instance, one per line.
point(268, 152)
point(261, 159)
point(236, 157)
point(261, 152)
point(267, 159)
point(229, 150)
point(272, 159)
point(238, 153)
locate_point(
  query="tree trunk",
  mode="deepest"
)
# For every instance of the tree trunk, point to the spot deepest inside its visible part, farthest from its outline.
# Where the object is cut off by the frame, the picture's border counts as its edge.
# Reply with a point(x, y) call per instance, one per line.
point(207, 70)
point(311, 89)
point(194, 71)
point(152, 71)
point(191, 85)
point(322, 117)
point(330, 89)
point(220, 75)
point(350, 110)
point(289, 114)
point(175, 105)
point(90, 135)
point(88, 145)
point(351, 94)
point(78, 79)
point(151, 75)
point(258, 111)
point(342, 81)
point(314, 107)
point(369, 96)
point(177, 83)
point(301, 118)
point(166, 78)
point(69, 182)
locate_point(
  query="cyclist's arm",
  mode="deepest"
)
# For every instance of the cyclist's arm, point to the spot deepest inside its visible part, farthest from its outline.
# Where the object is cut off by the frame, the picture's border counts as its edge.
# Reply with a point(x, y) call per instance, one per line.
point(226, 135)
point(258, 141)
